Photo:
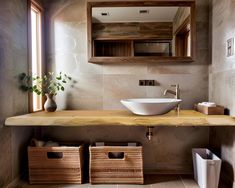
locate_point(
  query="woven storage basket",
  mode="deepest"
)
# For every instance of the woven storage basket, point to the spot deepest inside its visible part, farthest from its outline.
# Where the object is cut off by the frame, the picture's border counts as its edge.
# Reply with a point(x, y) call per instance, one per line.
point(116, 164)
point(48, 165)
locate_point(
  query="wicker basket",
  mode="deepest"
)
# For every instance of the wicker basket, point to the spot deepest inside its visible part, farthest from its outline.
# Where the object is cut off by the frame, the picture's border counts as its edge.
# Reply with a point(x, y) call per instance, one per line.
point(48, 165)
point(116, 164)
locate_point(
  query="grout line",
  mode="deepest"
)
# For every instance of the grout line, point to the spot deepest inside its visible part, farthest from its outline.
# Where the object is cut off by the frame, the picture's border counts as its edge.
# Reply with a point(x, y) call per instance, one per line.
point(182, 181)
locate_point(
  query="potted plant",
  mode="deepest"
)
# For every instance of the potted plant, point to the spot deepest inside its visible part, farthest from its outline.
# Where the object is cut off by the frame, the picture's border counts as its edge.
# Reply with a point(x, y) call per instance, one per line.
point(48, 85)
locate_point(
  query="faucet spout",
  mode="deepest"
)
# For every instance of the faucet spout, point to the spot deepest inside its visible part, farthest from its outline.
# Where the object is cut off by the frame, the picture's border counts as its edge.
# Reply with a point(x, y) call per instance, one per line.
point(176, 93)
point(169, 91)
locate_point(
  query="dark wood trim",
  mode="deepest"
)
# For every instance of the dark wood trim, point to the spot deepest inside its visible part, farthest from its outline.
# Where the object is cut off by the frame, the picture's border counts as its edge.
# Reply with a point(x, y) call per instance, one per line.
point(133, 30)
point(129, 38)
point(183, 25)
point(181, 38)
point(89, 30)
point(130, 3)
point(140, 59)
point(193, 30)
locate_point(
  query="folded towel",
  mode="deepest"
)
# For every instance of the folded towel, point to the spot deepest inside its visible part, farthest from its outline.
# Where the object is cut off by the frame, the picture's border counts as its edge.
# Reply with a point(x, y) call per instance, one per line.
point(51, 144)
point(37, 143)
point(208, 104)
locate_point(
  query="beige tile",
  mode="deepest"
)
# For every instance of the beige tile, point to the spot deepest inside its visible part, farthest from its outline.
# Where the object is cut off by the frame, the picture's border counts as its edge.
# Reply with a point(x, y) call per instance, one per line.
point(129, 69)
point(123, 86)
point(202, 37)
point(189, 181)
point(87, 86)
point(133, 186)
point(221, 85)
point(72, 11)
point(202, 57)
point(151, 181)
point(113, 104)
point(84, 103)
point(58, 60)
point(69, 37)
point(85, 67)
point(102, 186)
point(165, 181)
point(67, 11)
point(202, 10)
point(177, 69)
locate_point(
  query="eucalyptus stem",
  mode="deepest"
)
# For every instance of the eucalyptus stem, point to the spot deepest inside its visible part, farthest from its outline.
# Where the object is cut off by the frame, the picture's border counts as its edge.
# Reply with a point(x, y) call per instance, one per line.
point(48, 83)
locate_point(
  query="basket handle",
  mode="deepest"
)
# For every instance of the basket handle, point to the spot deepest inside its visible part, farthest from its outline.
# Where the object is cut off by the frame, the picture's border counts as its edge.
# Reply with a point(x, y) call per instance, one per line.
point(116, 155)
point(55, 155)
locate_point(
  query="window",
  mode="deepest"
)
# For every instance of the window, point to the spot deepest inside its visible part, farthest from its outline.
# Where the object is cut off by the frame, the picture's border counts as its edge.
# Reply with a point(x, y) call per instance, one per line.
point(35, 44)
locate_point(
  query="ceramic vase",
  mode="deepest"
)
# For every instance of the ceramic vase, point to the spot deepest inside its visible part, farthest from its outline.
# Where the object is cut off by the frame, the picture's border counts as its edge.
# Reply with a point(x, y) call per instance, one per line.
point(50, 104)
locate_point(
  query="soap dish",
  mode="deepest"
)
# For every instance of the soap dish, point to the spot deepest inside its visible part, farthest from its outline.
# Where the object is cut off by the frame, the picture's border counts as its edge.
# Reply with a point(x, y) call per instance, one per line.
point(218, 110)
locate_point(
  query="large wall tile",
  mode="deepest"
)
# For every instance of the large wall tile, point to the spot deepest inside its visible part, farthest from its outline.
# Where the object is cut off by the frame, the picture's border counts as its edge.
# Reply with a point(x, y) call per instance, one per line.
point(13, 61)
point(180, 69)
point(123, 86)
point(222, 83)
point(129, 69)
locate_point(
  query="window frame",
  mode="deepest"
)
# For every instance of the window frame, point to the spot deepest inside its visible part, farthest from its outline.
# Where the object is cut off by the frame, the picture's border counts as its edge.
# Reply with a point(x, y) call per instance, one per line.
point(38, 7)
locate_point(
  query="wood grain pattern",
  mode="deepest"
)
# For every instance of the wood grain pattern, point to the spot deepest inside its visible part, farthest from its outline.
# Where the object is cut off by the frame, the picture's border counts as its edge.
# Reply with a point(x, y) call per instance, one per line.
point(140, 59)
point(67, 169)
point(141, 30)
point(126, 170)
point(112, 48)
point(119, 118)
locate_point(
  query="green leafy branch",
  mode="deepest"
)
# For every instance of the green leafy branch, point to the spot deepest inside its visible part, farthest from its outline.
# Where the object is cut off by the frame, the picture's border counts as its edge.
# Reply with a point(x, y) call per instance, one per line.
point(48, 83)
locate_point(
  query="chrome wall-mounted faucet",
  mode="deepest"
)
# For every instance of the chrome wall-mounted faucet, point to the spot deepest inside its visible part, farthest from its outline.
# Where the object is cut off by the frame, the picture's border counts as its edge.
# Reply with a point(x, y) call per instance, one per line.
point(176, 92)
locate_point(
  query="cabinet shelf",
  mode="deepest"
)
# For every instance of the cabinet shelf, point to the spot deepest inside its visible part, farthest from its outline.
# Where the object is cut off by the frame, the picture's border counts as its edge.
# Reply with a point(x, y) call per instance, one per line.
point(140, 59)
point(133, 51)
point(113, 48)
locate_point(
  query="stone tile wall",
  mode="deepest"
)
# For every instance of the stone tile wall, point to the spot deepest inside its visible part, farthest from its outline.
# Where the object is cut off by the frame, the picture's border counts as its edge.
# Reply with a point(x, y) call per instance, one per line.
point(222, 82)
point(13, 61)
point(100, 87)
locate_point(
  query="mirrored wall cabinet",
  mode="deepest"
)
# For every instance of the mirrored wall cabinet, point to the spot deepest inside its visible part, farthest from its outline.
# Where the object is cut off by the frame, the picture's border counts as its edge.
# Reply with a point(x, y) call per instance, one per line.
point(141, 31)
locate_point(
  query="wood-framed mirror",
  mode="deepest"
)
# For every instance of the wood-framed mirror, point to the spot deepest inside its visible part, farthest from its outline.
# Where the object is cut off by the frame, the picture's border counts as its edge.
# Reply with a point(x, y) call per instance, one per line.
point(141, 31)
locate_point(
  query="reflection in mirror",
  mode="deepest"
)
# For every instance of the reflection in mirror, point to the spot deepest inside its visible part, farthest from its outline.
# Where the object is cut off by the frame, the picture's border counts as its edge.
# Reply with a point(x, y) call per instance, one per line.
point(141, 31)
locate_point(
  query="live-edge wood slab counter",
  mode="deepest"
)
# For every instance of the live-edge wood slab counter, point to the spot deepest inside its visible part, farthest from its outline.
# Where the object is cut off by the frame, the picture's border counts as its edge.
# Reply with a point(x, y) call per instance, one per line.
point(118, 118)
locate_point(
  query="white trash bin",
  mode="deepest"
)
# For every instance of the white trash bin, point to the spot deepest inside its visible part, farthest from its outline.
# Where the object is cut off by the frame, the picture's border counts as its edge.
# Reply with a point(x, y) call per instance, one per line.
point(206, 168)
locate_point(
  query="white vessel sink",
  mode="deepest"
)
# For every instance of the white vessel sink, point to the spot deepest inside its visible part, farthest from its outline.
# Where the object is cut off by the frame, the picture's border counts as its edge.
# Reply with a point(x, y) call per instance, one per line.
point(151, 106)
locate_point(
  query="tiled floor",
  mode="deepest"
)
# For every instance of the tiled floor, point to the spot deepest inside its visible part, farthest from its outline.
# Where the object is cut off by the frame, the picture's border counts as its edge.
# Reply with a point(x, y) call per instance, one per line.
point(151, 181)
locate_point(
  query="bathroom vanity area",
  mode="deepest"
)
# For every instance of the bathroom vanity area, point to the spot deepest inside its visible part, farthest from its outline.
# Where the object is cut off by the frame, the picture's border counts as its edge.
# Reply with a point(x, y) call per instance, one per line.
point(121, 50)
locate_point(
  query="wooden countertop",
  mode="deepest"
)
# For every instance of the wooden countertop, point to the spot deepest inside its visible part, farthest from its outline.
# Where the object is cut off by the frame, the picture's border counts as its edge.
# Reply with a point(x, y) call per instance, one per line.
point(118, 117)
